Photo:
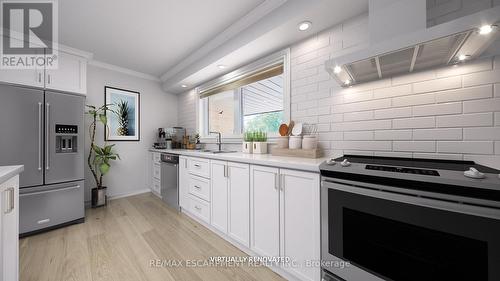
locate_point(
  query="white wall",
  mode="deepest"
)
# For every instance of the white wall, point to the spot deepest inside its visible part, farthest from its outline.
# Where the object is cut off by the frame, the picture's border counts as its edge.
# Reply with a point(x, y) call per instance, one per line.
point(158, 109)
point(451, 112)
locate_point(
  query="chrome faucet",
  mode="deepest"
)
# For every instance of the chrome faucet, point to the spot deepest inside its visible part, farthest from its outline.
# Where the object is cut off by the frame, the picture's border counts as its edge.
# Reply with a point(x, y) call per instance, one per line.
point(219, 139)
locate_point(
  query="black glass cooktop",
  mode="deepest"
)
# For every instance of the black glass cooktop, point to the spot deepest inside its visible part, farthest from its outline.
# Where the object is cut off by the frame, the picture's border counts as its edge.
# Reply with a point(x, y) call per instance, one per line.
point(393, 169)
point(433, 164)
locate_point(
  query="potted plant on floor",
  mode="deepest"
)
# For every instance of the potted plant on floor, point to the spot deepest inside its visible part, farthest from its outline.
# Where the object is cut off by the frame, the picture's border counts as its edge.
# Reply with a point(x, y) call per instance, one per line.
point(100, 157)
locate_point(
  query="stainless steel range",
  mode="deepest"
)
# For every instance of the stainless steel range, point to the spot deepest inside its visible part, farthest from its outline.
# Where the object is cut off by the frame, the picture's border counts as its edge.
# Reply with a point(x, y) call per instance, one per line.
point(43, 130)
point(409, 219)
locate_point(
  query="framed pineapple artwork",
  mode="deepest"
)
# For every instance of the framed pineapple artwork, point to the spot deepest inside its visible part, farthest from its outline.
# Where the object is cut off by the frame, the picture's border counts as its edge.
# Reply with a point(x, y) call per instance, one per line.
point(123, 115)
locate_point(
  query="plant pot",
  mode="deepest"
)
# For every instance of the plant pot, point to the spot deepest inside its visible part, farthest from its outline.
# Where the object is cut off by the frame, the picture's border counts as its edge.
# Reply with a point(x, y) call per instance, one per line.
point(99, 197)
point(282, 142)
point(247, 147)
point(260, 147)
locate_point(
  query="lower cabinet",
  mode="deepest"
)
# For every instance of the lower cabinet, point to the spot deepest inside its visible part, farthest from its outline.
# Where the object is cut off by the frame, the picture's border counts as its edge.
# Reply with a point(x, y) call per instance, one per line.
point(155, 173)
point(239, 202)
point(218, 171)
point(9, 229)
point(183, 182)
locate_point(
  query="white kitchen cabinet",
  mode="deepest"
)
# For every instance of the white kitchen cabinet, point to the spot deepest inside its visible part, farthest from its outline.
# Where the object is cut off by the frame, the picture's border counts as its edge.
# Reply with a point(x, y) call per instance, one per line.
point(183, 183)
point(239, 202)
point(70, 74)
point(9, 231)
point(28, 77)
point(219, 181)
point(264, 211)
point(300, 221)
point(155, 173)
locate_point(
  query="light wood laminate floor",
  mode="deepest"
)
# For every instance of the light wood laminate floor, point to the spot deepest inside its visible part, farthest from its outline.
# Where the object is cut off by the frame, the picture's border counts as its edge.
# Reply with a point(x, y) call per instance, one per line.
point(118, 242)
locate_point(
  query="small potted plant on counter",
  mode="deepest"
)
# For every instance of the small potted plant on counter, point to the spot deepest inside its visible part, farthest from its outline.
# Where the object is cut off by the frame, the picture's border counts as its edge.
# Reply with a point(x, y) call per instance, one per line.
point(260, 143)
point(247, 142)
point(99, 159)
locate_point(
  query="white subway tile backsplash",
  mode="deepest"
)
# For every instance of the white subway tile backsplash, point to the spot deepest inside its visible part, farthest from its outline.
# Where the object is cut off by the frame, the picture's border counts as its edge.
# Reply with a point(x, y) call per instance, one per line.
point(497, 118)
point(308, 104)
point(356, 97)
point(438, 85)
point(482, 133)
point(393, 154)
point(465, 94)
point(488, 160)
point(394, 91)
point(393, 135)
point(467, 147)
point(414, 100)
point(484, 105)
point(358, 116)
point(437, 109)
point(469, 67)
point(363, 145)
point(418, 146)
point(444, 156)
point(361, 106)
point(331, 136)
point(362, 125)
point(481, 78)
point(465, 120)
point(390, 113)
point(414, 77)
point(438, 134)
point(323, 127)
point(414, 123)
point(358, 135)
point(497, 90)
point(497, 147)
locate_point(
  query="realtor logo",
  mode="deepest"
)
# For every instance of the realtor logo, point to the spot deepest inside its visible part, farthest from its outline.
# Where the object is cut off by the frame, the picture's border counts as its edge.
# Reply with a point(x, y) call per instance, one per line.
point(29, 34)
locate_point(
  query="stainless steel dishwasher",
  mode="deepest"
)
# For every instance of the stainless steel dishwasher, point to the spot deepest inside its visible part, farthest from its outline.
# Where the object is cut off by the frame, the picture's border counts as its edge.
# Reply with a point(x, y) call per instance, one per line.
point(170, 179)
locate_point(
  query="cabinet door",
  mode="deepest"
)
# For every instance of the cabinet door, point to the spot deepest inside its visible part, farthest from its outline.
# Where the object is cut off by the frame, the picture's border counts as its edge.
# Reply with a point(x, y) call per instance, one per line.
point(300, 221)
point(9, 193)
point(264, 211)
point(239, 202)
point(29, 77)
point(218, 171)
point(70, 74)
point(183, 183)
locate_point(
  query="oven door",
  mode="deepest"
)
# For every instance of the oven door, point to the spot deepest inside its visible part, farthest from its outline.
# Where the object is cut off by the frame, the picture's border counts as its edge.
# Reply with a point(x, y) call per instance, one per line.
point(390, 236)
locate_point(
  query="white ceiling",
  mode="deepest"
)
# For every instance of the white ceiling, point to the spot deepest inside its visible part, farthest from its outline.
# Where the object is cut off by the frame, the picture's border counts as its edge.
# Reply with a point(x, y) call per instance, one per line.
point(146, 36)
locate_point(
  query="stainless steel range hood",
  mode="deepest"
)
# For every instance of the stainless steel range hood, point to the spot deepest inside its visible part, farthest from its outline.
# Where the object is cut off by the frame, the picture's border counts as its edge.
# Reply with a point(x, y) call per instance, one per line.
point(448, 43)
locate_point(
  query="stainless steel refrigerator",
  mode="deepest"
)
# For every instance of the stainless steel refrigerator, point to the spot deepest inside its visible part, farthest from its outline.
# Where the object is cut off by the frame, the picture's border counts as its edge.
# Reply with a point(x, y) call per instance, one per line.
point(44, 131)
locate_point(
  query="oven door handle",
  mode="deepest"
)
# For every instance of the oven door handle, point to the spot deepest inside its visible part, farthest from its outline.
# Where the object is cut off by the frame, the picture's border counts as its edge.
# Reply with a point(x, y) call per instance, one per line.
point(415, 200)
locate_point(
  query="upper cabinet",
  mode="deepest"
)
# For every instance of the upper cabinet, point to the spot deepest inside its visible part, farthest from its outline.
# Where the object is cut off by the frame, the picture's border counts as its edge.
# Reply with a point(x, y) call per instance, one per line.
point(69, 76)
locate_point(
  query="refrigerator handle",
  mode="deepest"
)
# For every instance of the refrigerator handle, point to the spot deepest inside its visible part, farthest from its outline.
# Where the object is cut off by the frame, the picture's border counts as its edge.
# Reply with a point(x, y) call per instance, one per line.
point(40, 124)
point(47, 127)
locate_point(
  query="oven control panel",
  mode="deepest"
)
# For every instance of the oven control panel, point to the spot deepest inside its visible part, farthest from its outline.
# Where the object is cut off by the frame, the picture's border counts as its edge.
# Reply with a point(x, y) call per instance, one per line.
point(424, 172)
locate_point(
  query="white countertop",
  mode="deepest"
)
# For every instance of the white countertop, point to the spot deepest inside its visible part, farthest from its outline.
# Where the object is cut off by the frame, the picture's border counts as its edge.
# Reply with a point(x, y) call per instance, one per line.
point(296, 163)
point(7, 172)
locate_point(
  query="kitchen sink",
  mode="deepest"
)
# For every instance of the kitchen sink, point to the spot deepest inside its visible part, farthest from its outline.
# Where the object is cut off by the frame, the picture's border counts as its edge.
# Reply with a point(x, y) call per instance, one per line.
point(217, 151)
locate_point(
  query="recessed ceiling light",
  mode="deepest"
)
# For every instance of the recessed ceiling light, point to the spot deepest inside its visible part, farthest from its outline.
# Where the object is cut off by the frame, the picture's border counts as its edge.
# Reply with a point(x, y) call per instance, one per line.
point(337, 69)
point(184, 86)
point(463, 57)
point(221, 66)
point(486, 29)
point(305, 25)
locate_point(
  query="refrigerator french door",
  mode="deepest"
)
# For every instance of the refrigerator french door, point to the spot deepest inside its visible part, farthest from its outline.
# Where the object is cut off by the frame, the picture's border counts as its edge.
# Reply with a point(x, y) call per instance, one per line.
point(43, 131)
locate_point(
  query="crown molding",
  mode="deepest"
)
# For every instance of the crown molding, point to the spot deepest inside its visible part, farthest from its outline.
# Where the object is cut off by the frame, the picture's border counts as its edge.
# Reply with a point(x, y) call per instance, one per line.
point(124, 70)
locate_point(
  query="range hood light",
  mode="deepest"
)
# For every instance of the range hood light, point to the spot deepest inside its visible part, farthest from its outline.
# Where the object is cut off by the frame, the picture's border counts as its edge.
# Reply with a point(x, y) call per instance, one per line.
point(184, 86)
point(463, 57)
point(347, 82)
point(486, 29)
point(337, 69)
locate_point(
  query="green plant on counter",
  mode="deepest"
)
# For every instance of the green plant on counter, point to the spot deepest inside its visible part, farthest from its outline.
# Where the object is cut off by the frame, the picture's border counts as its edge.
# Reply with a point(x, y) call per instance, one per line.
point(248, 136)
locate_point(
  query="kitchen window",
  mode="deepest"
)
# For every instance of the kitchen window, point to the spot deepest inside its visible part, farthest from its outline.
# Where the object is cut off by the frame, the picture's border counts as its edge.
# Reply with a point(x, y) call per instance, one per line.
point(252, 98)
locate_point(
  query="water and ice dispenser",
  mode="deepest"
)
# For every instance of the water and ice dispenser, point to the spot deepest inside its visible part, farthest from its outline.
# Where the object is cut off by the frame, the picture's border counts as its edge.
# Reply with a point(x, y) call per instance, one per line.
point(66, 138)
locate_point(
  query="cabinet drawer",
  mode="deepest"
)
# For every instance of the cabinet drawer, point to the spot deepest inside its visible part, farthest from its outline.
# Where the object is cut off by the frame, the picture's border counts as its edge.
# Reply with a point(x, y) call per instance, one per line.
point(156, 157)
point(199, 208)
point(199, 187)
point(157, 171)
point(156, 187)
point(200, 167)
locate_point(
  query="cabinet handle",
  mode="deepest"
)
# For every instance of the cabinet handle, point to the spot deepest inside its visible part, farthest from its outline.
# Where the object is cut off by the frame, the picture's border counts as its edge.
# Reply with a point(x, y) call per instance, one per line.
point(276, 181)
point(39, 77)
point(9, 205)
point(197, 208)
point(40, 124)
point(47, 131)
point(197, 187)
point(197, 165)
point(282, 182)
point(225, 171)
point(48, 78)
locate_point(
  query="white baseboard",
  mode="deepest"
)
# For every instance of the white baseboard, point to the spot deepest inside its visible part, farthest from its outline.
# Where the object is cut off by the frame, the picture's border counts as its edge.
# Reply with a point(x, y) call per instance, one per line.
point(135, 192)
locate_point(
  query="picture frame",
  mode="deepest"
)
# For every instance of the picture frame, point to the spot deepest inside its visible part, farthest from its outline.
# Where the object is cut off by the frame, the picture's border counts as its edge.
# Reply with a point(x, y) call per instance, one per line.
point(123, 118)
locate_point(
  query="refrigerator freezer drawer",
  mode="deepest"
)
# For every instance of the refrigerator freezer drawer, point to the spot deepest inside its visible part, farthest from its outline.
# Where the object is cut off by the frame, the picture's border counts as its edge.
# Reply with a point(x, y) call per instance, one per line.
point(50, 205)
